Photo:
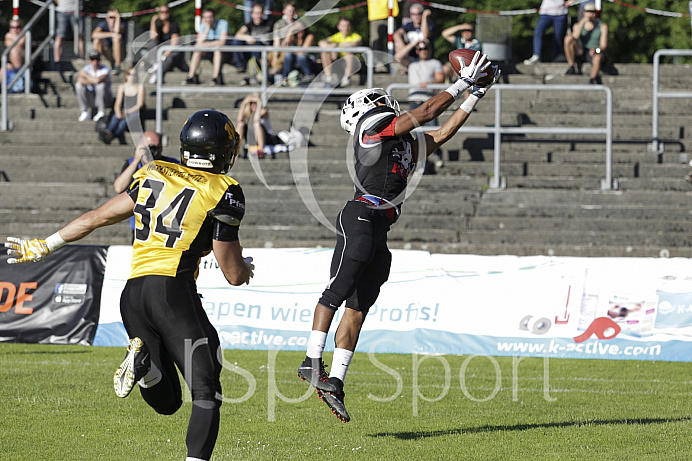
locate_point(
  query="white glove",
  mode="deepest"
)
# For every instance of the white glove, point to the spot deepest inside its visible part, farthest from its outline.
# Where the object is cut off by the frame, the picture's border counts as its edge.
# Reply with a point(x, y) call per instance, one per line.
point(26, 250)
point(250, 268)
point(468, 74)
point(480, 90)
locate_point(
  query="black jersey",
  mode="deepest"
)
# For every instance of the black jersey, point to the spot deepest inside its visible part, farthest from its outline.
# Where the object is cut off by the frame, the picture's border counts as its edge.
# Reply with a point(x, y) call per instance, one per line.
point(383, 159)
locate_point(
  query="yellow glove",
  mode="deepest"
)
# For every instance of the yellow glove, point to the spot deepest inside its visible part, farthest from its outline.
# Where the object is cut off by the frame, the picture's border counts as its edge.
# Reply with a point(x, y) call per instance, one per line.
point(32, 250)
point(26, 250)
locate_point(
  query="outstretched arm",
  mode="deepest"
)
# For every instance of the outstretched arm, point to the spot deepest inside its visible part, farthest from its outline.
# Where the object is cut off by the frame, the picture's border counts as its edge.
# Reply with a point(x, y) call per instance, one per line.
point(113, 211)
point(434, 139)
point(433, 107)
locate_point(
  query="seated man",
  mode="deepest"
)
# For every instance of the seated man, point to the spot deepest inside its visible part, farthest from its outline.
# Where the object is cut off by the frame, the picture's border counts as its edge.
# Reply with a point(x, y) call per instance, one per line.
point(256, 32)
point(588, 41)
point(343, 39)
point(213, 32)
point(109, 39)
point(418, 29)
point(93, 88)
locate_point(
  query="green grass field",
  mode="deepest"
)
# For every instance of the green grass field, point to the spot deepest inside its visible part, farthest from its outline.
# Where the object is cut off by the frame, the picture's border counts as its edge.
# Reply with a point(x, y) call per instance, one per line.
point(58, 404)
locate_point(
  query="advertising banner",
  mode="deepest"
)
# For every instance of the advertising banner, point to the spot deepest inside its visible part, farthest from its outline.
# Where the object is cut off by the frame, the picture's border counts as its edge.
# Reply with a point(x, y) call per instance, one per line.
point(56, 301)
point(608, 308)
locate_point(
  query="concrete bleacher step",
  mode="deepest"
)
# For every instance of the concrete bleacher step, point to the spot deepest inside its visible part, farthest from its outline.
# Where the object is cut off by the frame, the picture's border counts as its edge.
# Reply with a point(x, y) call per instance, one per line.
point(552, 205)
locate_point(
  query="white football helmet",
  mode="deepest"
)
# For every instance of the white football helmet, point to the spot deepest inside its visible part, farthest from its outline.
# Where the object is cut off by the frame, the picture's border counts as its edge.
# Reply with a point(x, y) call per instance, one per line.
point(362, 101)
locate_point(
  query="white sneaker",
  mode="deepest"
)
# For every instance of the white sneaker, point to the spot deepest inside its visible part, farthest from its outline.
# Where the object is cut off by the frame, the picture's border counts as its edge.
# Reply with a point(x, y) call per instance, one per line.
point(83, 116)
point(99, 115)
point(345, 82)
point(532, 60)
point(152, 79)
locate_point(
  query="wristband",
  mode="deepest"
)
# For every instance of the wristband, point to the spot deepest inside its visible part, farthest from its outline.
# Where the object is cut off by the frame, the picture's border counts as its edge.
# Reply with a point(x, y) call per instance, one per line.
point(468, 105)
point(457, 88)
point(54, 242)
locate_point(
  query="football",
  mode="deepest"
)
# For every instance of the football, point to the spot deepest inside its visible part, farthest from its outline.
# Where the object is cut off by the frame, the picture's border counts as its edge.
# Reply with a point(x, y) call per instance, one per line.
point(467, 55)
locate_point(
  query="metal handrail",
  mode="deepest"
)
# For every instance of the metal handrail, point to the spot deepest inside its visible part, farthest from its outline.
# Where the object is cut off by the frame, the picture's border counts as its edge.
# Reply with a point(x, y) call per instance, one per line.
point(656, 146)
point(498, 130)
point(48, 5)
point(264, 87)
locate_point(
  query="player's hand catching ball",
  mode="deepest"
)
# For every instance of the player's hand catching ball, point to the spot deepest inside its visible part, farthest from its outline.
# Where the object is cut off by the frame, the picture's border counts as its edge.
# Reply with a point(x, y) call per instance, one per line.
point(479, 90)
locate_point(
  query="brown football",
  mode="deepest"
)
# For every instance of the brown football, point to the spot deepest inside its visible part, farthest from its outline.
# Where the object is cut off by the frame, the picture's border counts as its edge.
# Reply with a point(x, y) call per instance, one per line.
point(467, 55)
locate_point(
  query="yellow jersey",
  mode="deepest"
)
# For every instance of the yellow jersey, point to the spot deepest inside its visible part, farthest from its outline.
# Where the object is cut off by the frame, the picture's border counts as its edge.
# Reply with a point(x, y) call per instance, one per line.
point(178, 212)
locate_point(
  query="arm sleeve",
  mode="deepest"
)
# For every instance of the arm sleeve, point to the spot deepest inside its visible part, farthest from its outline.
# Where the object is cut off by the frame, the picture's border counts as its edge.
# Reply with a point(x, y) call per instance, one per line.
point(379, 128)
point(228, 214)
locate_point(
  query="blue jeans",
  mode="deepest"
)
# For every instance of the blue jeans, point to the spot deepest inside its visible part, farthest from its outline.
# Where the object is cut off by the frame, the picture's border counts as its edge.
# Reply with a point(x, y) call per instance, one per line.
point(117, 126)
point(302, 62)
point(241, 58)
point(559, 24)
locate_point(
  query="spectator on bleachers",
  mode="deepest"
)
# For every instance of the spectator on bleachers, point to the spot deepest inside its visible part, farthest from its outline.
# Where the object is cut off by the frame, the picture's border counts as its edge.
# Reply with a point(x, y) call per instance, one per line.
point(304, 63)
point(255, 129)
point(148, 148)
point(16, 57)
point(256, 32)
point(68, 17)
point(164, 31)
point(129, 101)
point(282, 36)
point(213, 32)
point(247, 12)
point(465, 40)
point(93, 88)
point(344, 38)
point(420, 27)
point(109, 38)
point(551, 13)
point(587, 42)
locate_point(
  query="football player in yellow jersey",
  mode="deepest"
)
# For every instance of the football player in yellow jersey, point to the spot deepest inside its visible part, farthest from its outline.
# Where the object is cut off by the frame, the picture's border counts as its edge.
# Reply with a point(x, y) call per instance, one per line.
point(182, 213)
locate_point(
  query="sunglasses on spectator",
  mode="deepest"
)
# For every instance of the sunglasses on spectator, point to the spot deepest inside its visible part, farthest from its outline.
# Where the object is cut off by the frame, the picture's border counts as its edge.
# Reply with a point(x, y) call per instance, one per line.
point(15, 27)
point(110, 17)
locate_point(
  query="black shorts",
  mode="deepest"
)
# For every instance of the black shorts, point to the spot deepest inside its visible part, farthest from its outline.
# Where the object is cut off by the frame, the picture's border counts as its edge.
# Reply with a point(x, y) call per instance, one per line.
point(361, 260)
point(167, 314)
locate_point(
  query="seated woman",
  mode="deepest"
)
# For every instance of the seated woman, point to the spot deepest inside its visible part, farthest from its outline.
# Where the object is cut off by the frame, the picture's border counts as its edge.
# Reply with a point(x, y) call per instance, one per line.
point(128, 102)
point(255, 129)
point(164, 31)
point(304, 62)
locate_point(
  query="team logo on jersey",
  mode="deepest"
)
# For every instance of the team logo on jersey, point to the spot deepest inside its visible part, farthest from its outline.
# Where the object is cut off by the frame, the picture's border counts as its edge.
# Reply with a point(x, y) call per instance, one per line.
point(233, 203)
point(404, 161)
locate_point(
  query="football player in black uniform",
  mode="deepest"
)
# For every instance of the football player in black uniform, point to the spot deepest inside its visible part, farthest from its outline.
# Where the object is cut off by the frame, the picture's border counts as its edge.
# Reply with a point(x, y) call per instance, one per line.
point(385, 155)
point(182, 213)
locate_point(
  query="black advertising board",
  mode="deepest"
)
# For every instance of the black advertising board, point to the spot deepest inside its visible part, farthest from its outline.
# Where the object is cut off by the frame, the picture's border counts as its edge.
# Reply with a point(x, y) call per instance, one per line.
point(55, 301)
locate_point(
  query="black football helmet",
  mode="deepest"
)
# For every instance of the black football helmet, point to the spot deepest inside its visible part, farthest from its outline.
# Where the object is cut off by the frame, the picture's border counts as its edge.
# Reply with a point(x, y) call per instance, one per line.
point(208, 141)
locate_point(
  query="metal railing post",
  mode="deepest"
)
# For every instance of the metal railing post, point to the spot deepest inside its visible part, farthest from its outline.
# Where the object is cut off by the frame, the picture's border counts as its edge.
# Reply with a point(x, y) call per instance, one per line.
point(657, 146)
point(495, 183)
